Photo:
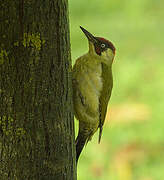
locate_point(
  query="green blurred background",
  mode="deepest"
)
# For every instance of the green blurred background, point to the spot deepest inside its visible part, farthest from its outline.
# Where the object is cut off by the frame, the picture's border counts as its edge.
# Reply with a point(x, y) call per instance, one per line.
point(132, 146)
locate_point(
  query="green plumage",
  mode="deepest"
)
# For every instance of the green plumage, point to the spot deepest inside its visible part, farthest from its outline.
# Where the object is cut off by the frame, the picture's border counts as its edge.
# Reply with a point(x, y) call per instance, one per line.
point(92, 87)
point(105, 94)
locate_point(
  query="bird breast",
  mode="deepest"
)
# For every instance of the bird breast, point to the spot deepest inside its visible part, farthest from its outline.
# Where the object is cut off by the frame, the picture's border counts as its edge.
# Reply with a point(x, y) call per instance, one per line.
point(90, 85)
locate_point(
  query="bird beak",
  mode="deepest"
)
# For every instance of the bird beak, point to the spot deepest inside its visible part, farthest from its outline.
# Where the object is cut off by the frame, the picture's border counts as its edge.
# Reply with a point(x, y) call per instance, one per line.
point(89, 35)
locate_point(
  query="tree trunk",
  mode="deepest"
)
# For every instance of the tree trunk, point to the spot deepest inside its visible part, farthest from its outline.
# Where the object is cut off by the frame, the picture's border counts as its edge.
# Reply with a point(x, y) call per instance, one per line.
point(36, 120)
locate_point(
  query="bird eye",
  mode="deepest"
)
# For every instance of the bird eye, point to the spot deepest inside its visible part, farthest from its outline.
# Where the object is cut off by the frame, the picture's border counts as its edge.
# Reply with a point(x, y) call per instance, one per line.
point(102, 45)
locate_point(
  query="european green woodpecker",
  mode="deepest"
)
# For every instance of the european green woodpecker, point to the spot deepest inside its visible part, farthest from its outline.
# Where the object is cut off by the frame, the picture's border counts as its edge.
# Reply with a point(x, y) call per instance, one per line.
point(92, 87)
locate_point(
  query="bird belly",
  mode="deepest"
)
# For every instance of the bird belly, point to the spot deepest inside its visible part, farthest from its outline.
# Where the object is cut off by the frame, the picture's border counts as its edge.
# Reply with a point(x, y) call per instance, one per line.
point(87, 100)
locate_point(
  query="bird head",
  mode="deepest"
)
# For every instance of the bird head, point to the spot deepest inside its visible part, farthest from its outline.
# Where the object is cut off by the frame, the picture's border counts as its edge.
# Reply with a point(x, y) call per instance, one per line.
point(100, 47)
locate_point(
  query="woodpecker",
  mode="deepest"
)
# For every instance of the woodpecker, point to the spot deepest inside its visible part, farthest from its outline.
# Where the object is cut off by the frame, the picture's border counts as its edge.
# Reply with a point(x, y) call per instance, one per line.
point(92, 87)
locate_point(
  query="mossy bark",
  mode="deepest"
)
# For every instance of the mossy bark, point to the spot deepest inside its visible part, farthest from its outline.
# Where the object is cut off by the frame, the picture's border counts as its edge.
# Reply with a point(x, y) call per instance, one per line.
point(36, 119)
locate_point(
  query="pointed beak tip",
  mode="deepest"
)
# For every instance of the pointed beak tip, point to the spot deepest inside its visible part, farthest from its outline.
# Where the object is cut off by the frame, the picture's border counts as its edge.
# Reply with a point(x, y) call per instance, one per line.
point(88, 35)
point(84, 30)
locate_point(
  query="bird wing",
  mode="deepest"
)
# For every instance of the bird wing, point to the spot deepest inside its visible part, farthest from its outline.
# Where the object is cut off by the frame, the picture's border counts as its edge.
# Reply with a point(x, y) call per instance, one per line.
point(105, 95)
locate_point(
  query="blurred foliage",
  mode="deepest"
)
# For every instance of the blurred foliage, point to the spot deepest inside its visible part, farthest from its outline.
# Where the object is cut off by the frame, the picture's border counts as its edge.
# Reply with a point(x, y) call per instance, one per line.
point(132, 145)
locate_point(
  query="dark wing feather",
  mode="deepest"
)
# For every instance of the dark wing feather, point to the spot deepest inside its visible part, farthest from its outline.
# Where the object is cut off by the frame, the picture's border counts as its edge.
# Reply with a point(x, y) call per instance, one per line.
point(105, 95)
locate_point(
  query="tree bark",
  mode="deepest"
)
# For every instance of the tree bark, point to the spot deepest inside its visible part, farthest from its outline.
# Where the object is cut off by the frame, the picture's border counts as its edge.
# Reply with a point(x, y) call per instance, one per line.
point(36, 119)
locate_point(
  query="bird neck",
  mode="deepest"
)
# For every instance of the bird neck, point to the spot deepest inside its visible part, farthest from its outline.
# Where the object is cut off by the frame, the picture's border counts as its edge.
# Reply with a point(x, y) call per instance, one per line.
point(92, 49)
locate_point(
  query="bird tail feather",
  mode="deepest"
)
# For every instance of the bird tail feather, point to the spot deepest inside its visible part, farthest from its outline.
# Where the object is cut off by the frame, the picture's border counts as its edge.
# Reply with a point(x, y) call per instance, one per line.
point(100, 133)
point(80, 143)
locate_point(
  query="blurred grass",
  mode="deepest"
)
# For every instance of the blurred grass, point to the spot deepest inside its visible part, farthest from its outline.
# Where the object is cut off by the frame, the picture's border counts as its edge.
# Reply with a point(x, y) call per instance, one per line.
point(132, 146)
